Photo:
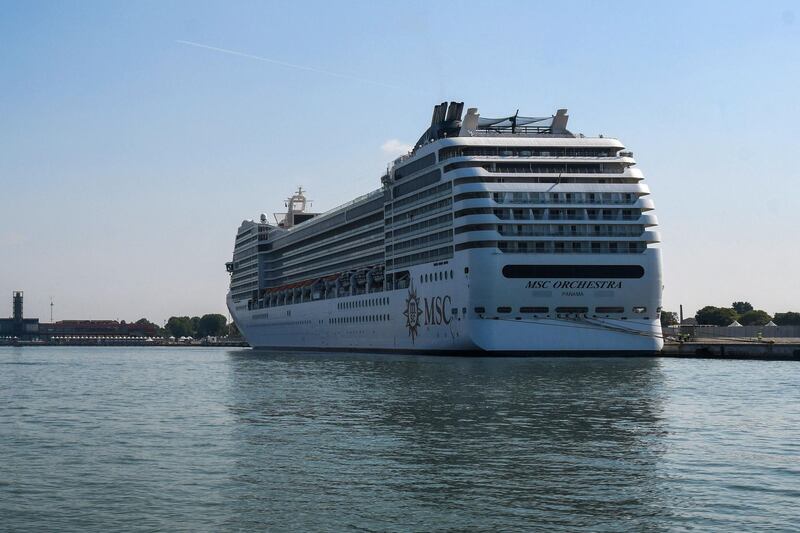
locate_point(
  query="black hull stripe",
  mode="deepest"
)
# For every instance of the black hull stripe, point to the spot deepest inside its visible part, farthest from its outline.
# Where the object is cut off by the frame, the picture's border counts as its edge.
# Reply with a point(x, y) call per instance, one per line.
point(466, 353)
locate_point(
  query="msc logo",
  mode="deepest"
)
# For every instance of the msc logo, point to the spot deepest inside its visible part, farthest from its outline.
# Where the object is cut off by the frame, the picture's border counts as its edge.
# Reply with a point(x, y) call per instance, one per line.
point(431, 312)
point(412, 313)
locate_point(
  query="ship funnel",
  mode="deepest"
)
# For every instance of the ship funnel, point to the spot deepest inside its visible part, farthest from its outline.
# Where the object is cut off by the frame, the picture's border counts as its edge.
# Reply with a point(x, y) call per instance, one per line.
point(438, 114)
point(454, 111)
point(470, 122)
point(560, 122)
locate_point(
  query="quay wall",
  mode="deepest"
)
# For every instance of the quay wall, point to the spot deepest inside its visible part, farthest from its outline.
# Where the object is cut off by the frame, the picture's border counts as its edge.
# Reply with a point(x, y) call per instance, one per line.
point(710, 332)
point(768, 351)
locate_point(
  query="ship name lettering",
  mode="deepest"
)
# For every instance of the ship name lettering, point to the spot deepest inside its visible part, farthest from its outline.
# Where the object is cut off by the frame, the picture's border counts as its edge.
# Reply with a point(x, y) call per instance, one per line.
point(436, 310)
point(565, 284)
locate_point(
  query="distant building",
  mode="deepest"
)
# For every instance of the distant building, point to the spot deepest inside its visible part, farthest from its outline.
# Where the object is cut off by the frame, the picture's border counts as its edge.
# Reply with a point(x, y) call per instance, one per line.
point(97, 328)
point(23, 328)
point(18, 326)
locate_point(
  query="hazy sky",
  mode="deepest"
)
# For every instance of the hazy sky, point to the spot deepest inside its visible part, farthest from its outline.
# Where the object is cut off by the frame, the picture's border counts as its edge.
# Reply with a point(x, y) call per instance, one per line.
point(128, 157)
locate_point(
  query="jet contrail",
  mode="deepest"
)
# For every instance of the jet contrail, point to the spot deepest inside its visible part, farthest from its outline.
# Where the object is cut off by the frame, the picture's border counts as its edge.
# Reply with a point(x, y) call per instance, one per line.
point(289, 65)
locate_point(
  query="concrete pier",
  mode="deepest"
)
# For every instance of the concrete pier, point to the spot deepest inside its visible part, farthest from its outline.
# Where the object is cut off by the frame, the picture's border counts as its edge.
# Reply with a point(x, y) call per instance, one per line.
point(784, 350)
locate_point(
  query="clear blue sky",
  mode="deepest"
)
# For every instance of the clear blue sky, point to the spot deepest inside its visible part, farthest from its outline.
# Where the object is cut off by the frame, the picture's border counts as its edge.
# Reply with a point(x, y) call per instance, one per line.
point(128, 159)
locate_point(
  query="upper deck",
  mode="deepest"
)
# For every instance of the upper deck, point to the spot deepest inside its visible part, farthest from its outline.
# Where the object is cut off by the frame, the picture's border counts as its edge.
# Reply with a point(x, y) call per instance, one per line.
point(448, 129)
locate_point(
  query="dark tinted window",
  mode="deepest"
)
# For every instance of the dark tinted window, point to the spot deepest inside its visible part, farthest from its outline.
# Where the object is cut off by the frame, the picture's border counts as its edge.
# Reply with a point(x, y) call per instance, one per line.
point(417, 183)
point(534, 309)
point(417, 165)
point(572, 309)
point(573, 271)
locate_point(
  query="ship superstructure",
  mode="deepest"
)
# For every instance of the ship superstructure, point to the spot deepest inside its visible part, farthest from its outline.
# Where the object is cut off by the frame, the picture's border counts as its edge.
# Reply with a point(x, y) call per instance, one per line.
point(508, 235)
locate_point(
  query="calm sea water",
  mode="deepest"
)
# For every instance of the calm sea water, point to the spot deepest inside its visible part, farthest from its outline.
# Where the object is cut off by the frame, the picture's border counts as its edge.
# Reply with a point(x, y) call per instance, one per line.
point(218, 440)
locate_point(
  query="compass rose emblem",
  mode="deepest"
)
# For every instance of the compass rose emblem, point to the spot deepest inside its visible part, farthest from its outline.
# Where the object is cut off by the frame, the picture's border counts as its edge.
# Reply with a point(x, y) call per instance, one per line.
point(412, 313)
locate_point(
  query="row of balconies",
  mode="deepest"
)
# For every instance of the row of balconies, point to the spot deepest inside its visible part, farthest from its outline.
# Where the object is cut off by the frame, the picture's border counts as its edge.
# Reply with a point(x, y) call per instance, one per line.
point(645, 204)
point(479, 171)
point(330, 244)
point(648, 236)
point(464, 218)
point(337, 252)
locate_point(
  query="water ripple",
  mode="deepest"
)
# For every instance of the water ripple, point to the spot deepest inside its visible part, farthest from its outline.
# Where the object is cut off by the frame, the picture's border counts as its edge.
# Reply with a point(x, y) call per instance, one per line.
point(214, 440)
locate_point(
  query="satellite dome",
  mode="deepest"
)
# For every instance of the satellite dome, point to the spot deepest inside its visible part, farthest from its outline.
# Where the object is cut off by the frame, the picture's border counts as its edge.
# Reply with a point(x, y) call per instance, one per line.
point(263, 218)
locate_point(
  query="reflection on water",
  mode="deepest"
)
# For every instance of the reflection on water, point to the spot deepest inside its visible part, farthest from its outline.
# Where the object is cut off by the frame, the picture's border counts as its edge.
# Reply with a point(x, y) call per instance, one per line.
point(104, 439)
point(443, 442)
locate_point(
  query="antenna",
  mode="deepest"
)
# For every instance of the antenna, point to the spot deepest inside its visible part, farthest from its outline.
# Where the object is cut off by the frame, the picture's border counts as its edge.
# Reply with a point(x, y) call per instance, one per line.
point(51, 309)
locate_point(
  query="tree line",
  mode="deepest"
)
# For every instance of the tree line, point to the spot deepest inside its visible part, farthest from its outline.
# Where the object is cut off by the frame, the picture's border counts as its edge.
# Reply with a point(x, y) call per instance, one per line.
point(198, 327)
point(742, 312)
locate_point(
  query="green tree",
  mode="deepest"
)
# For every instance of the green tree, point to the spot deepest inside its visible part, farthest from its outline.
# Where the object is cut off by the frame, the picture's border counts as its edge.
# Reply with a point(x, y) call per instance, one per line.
point(668, 318)
point(180, 326)
point(790, 318)
point(741, 307)
point(715, 316)
point(755, 318)
point(146, 325)
point(195, 326)
point(211, 325)
point(233, 331)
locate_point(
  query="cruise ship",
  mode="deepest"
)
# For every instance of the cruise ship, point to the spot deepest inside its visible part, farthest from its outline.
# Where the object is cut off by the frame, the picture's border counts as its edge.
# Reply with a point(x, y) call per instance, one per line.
point(498, 236)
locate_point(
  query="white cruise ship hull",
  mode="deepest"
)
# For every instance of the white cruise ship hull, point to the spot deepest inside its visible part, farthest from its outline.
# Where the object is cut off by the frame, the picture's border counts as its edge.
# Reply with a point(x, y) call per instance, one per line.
point(438, 316)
